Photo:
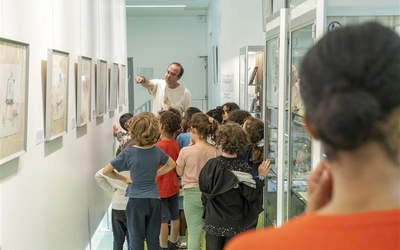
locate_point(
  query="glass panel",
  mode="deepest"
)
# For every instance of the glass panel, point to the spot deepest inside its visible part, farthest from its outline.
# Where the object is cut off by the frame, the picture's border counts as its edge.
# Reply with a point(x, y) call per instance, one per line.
point(271, 92)
point(242, 76)
point(392, 22)
point(300, 141)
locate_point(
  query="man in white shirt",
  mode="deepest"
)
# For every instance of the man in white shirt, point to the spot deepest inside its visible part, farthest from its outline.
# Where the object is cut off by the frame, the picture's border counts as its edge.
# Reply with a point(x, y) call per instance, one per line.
point(168, 92)
point(119, 202)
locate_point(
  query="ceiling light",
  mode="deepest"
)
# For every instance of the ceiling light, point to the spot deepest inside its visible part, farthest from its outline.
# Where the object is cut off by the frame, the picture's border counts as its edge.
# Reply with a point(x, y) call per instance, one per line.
point(156, 6)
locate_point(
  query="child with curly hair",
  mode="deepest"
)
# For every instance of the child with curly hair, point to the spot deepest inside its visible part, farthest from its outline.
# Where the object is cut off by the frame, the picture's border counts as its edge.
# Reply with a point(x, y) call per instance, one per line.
point(143, 210)
point(229, 191)
point(168, 187)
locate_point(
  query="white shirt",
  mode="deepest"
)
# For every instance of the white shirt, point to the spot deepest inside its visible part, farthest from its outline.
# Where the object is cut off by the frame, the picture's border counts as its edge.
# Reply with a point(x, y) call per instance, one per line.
point(117, 187)
point(164, 97)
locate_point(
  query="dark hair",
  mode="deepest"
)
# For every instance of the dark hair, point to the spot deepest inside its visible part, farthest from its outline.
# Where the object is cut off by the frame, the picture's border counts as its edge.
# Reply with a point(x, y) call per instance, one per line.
point(123, 119)
point(206, 126)
point(176, 111)
point(230, 106)
point(239, 116)
point(254, 129)
point(231, 138)
point(350, 85)
point(216, 114)
point(170, 122)
point(187, 115)
point(180, 66)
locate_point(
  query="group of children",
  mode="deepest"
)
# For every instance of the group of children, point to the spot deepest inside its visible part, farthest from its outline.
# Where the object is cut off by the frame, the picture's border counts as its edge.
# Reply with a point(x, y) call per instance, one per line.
point(220, 168)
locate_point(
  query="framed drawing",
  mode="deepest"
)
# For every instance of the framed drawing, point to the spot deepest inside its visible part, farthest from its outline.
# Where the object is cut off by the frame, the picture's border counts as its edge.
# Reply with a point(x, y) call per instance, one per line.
point(122, 86)
point(14, 62)
point(83, 91)
point(101, 87)
point(56, 94)
point(113, 87)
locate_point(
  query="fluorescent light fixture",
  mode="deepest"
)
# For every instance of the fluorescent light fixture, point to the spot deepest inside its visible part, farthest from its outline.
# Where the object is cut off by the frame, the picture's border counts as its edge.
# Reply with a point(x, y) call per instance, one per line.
point(156, 6)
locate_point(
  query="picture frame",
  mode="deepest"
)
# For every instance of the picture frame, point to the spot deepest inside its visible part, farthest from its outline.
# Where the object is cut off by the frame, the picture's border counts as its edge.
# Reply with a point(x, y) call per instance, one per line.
point(83, 91)
point(113, 87)
point(56, 118)
point(14, 75)
point(101, 87)
point(122, 86)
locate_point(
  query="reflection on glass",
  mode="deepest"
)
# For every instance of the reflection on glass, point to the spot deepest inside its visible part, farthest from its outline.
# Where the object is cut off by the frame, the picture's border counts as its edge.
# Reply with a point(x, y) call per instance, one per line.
point(300, 141)
point(392, 22)
point(272, 81)
point(241, 80)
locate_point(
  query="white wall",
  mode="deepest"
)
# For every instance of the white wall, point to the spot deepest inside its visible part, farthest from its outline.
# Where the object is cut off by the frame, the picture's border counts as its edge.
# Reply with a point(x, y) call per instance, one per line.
point(155, 42)
point(241, 25)
point(48, 196)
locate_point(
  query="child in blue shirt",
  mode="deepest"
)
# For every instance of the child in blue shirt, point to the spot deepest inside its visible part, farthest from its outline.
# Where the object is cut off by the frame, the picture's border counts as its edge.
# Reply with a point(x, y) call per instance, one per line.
point(143, 211)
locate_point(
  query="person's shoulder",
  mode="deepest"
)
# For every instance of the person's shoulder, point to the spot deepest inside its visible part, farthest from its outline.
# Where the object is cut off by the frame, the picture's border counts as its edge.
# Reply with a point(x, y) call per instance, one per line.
point(276, 237)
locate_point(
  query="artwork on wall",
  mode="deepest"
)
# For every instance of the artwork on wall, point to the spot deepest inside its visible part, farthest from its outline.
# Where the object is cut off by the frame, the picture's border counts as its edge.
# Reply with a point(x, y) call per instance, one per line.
point(83, 91)
point(101, 87)
point(215, 64)
point(113, 87)
point(13, 98)
point(56, 94)
point(122, 86)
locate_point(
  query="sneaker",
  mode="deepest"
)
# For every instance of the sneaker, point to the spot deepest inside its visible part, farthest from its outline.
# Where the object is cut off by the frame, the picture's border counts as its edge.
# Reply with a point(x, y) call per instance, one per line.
point(173, 246)
point(182, 245)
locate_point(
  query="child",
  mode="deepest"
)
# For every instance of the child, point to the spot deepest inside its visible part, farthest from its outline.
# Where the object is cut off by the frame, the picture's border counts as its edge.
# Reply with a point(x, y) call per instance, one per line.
point(190, 161)
point(119, 201)
point(123, 137)
point(184, 137)
point(227, 108)
point(168, 186)
point(254, 128)
point(184, 140)
point(239, 116)
point(229, 192)
point(143, 211)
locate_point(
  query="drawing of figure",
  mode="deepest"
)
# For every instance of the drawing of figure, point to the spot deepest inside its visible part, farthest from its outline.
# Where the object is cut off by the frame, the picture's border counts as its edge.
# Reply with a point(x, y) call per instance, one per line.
point(58, 96)
point(10, 111)
point(85, 90)
point(9, 98)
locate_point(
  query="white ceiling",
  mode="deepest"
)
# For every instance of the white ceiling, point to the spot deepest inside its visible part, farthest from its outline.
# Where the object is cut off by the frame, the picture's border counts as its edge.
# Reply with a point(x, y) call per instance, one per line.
point(193, 8)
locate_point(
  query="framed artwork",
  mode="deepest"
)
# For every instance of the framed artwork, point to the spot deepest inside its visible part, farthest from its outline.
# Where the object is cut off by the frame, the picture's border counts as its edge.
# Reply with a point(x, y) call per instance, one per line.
point(56, 94)
point(101, 87)
point(83, 91)
point(14, 62)
point(122, 86)
point(113, 87)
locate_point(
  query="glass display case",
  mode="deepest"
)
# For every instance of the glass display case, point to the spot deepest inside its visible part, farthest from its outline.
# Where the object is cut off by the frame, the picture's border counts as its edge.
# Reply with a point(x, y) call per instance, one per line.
point(276, 119)
point(251, 68)
point(300, 142)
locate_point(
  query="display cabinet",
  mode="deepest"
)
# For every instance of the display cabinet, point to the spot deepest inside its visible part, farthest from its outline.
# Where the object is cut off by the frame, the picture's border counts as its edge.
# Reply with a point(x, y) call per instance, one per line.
point(276, 118)
point(251, 78)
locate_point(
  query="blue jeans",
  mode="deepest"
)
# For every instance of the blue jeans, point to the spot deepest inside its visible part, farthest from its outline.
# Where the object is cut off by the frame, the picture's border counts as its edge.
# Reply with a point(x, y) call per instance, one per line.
point(119, 226)
point(193, 212)
point(144, 222)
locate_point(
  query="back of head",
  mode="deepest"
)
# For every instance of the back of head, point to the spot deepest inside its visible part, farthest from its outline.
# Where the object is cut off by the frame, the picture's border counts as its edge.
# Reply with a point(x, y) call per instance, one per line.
point(170, 121)
point(143, 129)
point(231, 138)
point(350, 85)
point(206, 126)
point(254, 129)
point(176, 111)
point(189, 112)
point(231, 106)
point(216, 114)
point(123, 119)
point(239, 116)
